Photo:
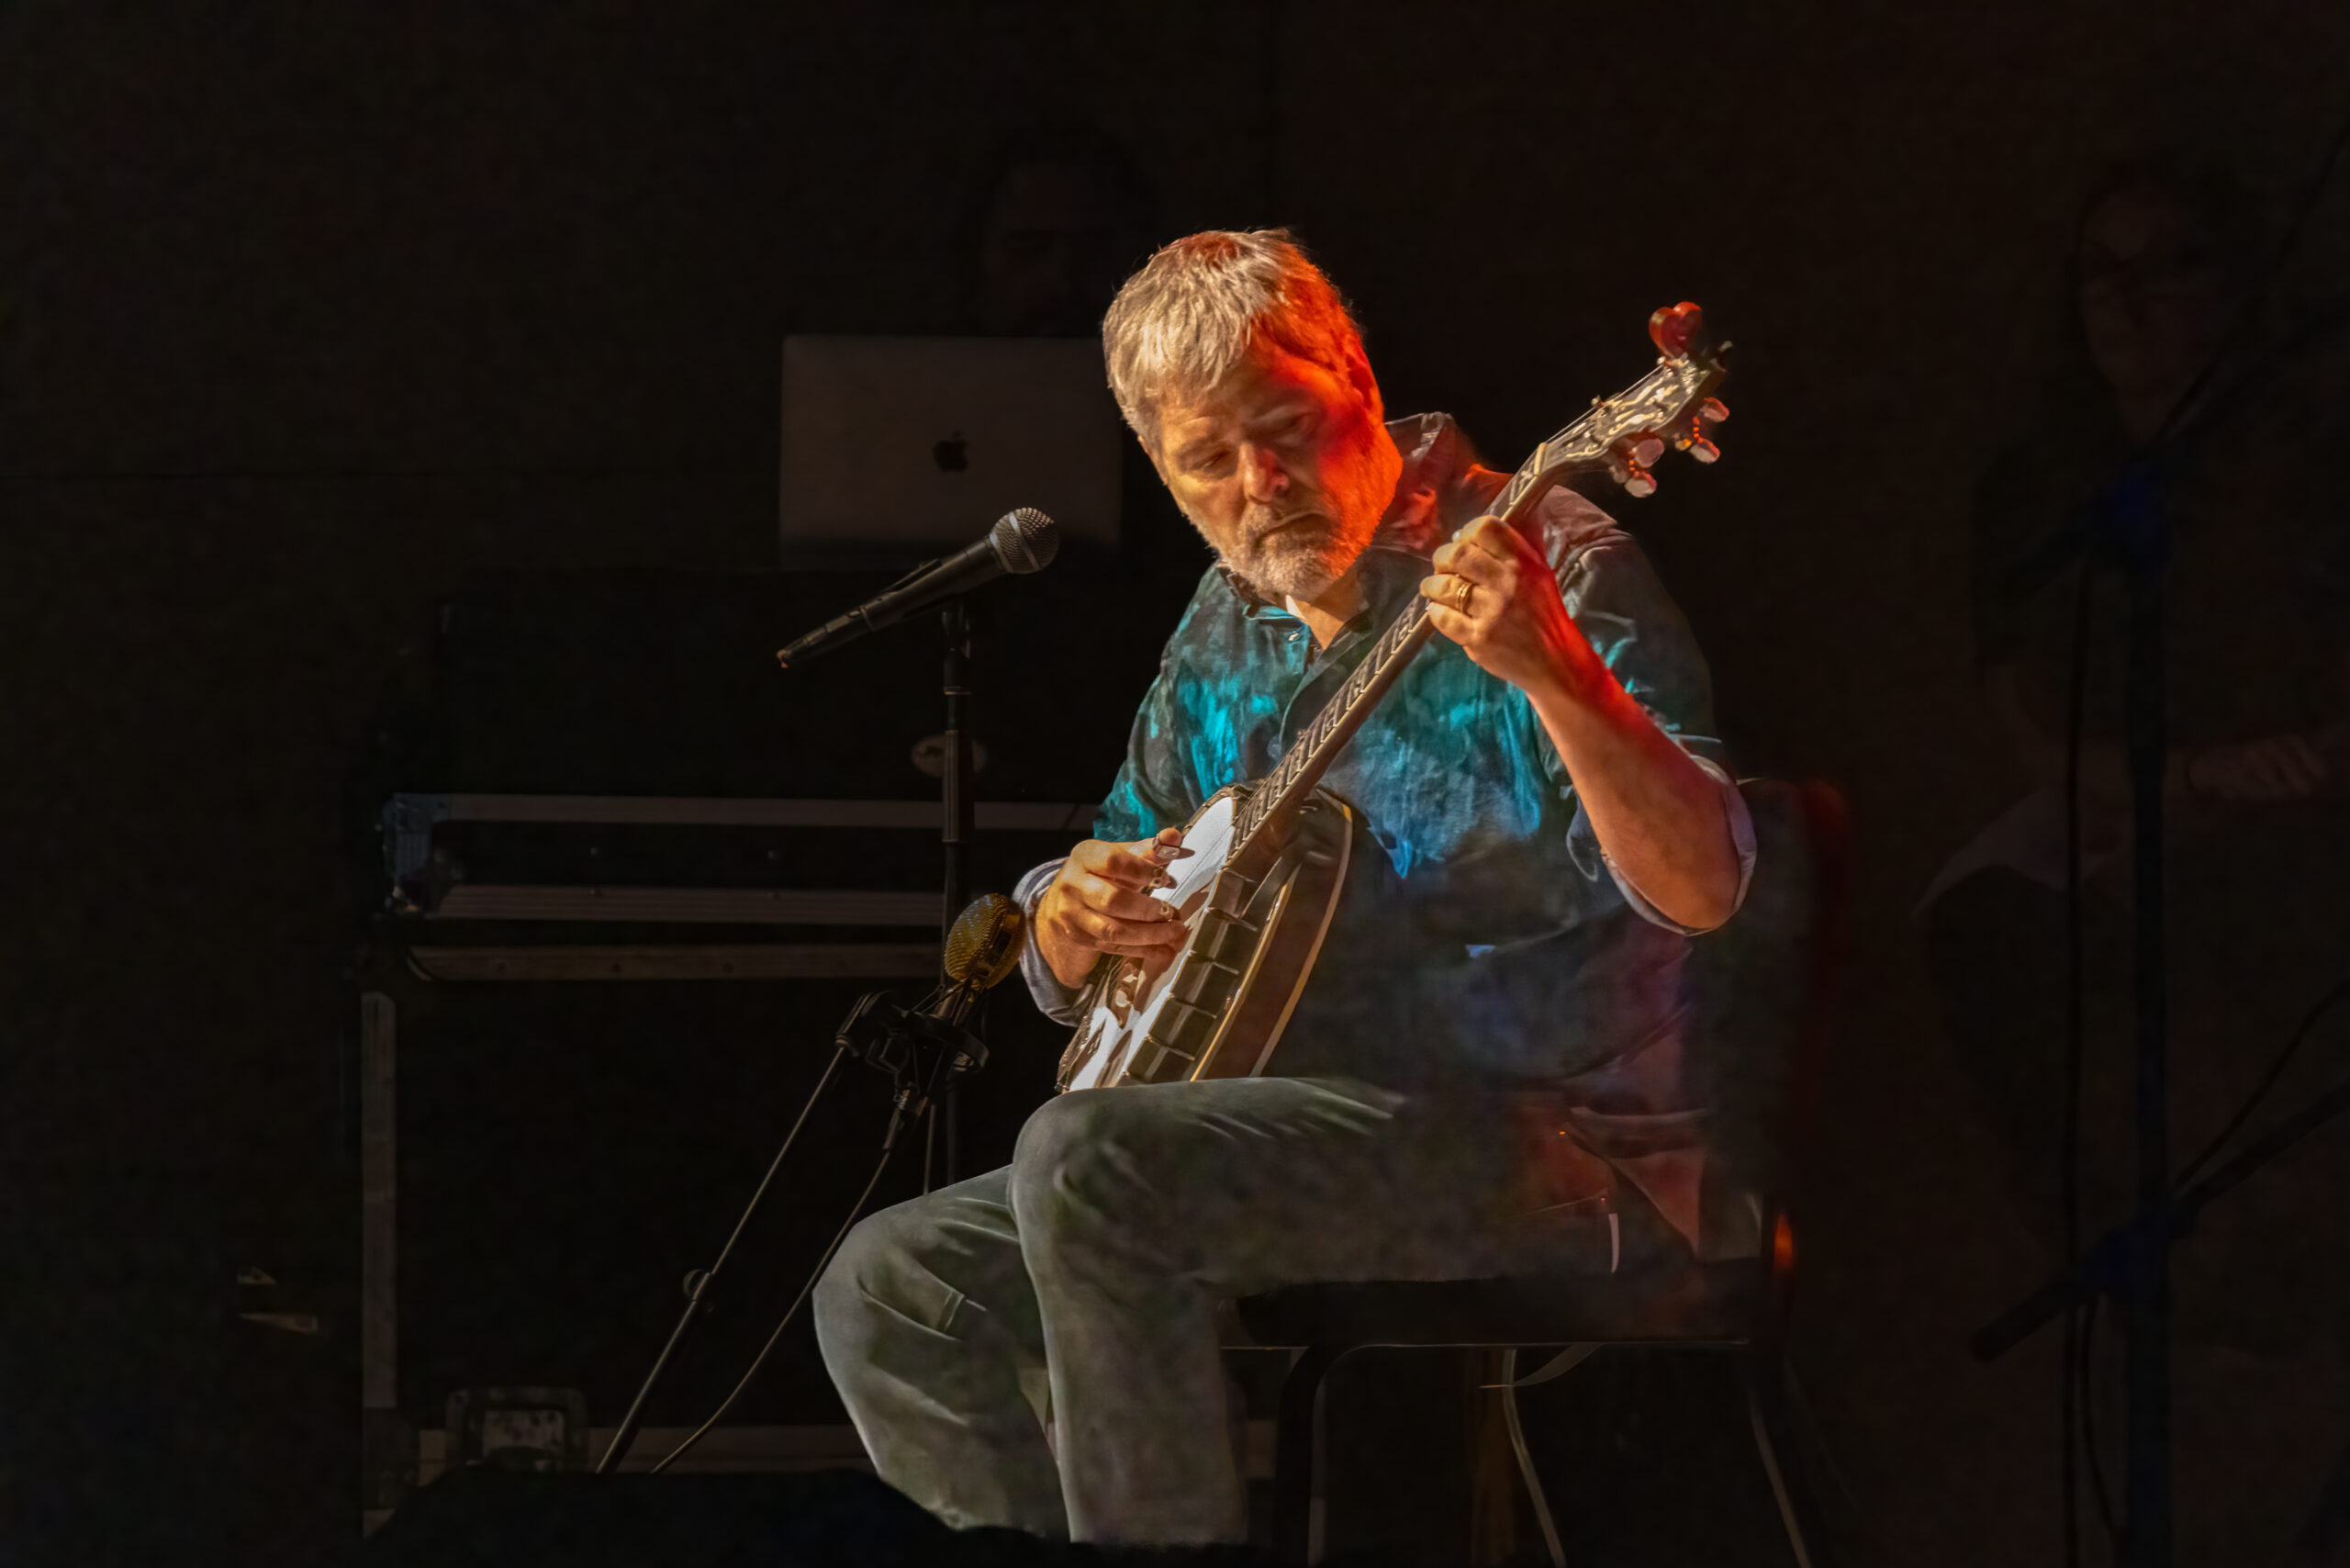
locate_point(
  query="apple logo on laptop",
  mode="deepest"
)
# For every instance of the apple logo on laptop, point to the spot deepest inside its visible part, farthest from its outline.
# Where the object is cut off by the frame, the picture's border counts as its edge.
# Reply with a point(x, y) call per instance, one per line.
point(952, 454)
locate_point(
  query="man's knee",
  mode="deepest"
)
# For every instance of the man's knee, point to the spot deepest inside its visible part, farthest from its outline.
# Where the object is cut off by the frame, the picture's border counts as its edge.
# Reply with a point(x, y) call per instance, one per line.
point(1078, 1167)
point(878, 1268)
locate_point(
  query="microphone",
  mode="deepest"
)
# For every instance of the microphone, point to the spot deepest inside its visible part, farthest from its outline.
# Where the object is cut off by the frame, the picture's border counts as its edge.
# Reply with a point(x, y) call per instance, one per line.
point(983, 945)
point(982, 949)
point(1022, 540)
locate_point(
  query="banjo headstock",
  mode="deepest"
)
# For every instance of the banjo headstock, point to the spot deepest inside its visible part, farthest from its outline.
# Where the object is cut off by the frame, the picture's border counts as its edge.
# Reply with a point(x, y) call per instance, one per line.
point(1626, 436)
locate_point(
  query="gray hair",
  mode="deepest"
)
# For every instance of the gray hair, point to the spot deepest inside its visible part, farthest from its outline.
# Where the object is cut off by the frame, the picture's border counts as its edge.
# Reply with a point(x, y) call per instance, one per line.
point(1199, 305)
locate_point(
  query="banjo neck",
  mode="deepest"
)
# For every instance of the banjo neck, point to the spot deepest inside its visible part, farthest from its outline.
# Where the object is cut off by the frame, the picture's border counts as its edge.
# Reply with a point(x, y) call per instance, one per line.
point(1623, 436)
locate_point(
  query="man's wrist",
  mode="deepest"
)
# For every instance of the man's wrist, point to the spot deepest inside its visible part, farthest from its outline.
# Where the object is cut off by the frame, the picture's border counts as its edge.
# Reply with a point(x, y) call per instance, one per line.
point(1052, 996)
point(1046, 955)
point(1050, 952)
point(1573, 673)
point(1568, 683)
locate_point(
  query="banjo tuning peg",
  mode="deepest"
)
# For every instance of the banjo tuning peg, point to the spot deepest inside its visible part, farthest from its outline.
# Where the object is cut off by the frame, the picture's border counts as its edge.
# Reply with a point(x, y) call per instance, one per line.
point(1674, 328)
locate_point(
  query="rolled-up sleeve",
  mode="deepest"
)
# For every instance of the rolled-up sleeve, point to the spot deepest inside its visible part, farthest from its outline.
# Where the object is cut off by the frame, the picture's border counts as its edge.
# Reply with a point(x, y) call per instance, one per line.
point(1632, 623)
point(1741, 835)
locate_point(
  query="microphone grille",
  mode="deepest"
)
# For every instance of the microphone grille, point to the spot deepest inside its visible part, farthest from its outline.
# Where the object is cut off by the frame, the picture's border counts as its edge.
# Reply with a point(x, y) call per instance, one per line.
point(983, 945)
point(1025, 540)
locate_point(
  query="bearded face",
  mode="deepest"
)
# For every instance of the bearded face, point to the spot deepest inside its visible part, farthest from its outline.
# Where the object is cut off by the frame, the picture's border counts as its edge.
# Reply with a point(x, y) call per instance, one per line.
point(1285, 466)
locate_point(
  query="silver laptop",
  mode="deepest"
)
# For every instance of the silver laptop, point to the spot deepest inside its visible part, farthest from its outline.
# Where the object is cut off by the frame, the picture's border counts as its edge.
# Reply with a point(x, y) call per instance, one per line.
point(911, 445)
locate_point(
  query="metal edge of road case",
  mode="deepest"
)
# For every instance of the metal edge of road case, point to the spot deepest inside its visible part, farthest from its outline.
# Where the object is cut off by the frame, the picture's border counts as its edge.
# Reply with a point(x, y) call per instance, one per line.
point(439, 928)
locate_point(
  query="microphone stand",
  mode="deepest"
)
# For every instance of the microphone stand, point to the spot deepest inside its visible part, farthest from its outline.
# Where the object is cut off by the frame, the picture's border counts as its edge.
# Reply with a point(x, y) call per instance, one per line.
point(955, 831)
point(932, 1093)
point(926, 1054)
point(941, 1104)
point(2138, 528)
point(2103, 1268)
point(699, 1282)
point(956, 827)
point(2131, 525)
point(2127, 526)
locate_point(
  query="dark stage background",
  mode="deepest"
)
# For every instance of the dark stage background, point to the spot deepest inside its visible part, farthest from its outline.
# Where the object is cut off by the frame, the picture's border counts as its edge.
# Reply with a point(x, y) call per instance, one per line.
point(307, 314)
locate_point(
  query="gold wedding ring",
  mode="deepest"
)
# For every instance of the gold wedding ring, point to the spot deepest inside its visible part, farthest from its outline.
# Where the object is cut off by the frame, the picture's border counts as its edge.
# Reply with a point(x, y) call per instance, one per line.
point(1462, 589)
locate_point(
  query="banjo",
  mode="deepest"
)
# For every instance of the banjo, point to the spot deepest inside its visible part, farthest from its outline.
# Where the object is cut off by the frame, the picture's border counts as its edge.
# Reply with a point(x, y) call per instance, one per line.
point(1269, 859)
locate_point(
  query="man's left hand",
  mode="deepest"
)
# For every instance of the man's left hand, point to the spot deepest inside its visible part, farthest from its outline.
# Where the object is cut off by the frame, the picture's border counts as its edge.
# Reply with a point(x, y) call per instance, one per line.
point(1495, 596)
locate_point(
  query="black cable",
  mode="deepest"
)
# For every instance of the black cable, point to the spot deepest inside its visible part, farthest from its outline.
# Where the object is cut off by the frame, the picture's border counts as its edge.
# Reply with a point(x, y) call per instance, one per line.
point(2098, 1271)
point(888, 1148)
point(2311, 195)
point(616, 1449)
point(2253, 1158)
point(917, 1098)
point(2243, 1113)
point(2071, 1376)
point(2085, 1391)
point(2080, 1372)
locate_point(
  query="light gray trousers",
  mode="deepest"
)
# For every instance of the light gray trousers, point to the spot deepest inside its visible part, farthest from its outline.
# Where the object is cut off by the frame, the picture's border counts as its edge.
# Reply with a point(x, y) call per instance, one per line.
point(1093, 1264)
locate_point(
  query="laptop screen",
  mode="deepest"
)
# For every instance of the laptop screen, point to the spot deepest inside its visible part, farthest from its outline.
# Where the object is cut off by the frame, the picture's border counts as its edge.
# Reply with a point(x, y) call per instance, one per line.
point(908, 446)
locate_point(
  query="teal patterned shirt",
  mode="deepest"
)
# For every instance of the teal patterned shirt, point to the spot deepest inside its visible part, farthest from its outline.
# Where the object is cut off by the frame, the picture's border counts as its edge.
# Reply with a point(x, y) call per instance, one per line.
point(1504, 950)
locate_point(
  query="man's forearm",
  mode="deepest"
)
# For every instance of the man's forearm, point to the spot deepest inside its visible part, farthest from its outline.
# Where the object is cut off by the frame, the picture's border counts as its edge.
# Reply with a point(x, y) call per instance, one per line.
point(1658, 815)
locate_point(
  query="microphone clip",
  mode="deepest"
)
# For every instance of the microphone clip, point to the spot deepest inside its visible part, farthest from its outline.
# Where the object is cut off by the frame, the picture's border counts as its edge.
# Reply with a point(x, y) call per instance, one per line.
point(924, 1051)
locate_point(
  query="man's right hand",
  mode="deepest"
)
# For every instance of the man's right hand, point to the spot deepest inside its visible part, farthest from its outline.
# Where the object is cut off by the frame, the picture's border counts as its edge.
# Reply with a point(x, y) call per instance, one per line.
point(1101, 903)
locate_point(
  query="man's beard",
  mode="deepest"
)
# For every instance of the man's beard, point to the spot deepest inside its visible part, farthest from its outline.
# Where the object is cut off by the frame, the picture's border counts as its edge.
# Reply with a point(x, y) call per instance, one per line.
point(1325, 535)
point(1293, 552)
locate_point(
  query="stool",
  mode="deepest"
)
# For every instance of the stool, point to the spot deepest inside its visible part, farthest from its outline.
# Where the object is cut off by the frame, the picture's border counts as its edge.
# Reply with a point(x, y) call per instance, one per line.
point(1762, 993)
point(1726, 1308)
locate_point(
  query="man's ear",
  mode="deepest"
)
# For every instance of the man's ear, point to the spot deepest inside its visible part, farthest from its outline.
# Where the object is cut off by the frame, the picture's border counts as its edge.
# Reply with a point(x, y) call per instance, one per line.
point(1365, 385)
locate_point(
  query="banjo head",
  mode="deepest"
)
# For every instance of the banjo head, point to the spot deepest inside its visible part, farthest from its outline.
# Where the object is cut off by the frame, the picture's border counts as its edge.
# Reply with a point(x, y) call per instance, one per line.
point(1251, 935)
point(1127, 996)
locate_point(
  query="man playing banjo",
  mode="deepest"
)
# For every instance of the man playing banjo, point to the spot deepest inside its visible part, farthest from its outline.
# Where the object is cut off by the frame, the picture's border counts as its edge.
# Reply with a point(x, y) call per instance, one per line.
point(1486, 1075)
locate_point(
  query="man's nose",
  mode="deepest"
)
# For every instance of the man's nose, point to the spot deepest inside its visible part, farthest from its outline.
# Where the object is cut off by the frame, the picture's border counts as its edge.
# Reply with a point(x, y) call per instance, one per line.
point(1262, 479)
